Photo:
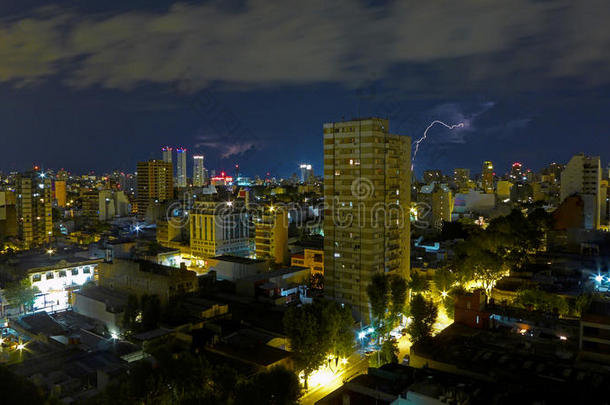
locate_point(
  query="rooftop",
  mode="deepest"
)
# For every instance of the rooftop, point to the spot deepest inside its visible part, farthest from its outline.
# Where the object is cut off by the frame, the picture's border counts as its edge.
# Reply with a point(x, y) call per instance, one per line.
point(237, 259)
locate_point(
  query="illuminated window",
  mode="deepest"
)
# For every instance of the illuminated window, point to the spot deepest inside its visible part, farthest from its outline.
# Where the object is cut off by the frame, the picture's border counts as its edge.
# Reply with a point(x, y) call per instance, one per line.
point(87, 270)
point(36, 277)
point(50, 276)
point(75, 272)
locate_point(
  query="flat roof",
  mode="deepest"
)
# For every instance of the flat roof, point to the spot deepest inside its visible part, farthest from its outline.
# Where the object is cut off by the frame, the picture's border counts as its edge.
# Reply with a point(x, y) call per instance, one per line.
point(275, 273)
point(237, 259)
point(112, 298)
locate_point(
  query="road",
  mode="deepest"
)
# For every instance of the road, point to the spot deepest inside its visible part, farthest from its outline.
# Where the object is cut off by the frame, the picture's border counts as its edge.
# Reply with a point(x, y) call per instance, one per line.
point(357, 364)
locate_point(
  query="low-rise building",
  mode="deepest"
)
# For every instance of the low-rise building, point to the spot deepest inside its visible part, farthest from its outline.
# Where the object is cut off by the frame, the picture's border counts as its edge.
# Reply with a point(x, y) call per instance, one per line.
point(312, 258)
point(146, 278)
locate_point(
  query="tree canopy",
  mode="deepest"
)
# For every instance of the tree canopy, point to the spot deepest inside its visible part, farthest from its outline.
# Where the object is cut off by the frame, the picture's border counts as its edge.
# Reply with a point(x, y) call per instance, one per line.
point(423, 314)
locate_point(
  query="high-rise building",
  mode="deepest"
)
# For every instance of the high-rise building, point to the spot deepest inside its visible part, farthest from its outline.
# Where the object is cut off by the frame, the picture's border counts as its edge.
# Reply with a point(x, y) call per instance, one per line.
point(60, 188)
point(33, 204)
point(439, 199)
point(154, 184)
point(367, 192)
point(271, 234)
point(219, 228)
point(90, 205)
point(503, 189)
point(487, 177)
point(8, 214)
point(306, 173)
point(516, 172)
point(461, 177)
point(167, 154)
point(431, 176)
point(181, 167)
point(582, 177)
point(198, 171)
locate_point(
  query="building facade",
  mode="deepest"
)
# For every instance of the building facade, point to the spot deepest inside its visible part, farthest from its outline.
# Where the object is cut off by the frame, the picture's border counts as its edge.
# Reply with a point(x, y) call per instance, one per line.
point(487, 177)
point(219, 228)
point(154, 184)
point(198, 171)
point(582, 176)
point(367, 185)
point(181, 167)
point(33, 206)
point(271, 234)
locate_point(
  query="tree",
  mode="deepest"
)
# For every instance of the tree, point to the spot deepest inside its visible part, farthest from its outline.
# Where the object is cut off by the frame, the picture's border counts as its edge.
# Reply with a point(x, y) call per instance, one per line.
point(389, 352)
point(378, 292)
point(444, 279)
point(279, 386)
point(423, 314)
point(398, 295)
point(476, 259)
point(418, 284)
point(21, 294)
point(583, 302)
point(542, 301)
point(337, 327)
point(304, 332)
point(316, 330)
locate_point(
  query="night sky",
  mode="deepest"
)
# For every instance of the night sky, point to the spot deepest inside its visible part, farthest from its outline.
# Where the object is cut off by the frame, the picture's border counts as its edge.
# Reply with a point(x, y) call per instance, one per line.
point(90, 85)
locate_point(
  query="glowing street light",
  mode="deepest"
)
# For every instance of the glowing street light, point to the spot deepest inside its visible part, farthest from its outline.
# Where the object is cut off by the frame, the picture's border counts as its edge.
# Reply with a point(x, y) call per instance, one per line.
point(444, 294)
point(599, 278)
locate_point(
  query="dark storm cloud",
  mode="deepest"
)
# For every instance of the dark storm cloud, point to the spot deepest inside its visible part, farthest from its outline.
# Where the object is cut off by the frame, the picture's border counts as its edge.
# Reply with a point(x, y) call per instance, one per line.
point(282, 42)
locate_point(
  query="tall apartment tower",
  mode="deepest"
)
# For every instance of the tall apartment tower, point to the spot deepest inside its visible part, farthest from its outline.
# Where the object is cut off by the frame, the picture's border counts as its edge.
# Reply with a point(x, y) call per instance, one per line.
point(487, 177)
point(367, 192)
point(167, 154)
point(180, 167)
point(198, 171)
point(33, 207)
point(155, 184)
point(306, 173)
point(60, 188)
point(582, 176)
point(461, 177)
point(271, 234)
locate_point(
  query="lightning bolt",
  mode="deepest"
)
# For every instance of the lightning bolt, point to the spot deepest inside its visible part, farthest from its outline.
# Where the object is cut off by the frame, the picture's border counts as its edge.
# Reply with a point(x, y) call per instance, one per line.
point(420, 140)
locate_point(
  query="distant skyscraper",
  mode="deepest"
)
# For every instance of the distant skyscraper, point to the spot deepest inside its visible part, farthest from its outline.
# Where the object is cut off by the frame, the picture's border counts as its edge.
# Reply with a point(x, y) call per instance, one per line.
point(198, 171)
point(34, 220)
point(167, 154)
point(440, 202)
point(461, 177)
point(432, 176)
point(487, 177)
point(154, 184)
point(582, 177)
point(367, 187)
point(306, 173)
point(180, 167)
point(516, 172)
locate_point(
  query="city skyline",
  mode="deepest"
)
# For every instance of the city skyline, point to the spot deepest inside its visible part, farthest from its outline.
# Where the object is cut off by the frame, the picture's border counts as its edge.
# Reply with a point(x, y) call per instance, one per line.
point(244, 113)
